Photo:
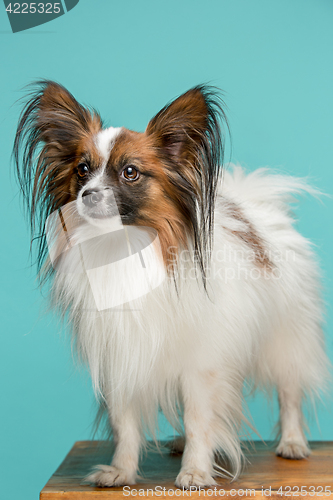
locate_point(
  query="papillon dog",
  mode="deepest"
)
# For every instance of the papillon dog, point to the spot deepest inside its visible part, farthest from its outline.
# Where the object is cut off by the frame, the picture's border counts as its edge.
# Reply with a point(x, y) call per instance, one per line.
point(181, 279)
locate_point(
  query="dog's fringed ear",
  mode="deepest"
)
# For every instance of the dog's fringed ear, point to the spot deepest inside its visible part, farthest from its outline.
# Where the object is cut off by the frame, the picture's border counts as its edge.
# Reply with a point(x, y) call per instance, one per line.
point(179, 126)
point(51, 126)
point(60, 119)
point(188, 123)
point(188, 134)
point(53, 116)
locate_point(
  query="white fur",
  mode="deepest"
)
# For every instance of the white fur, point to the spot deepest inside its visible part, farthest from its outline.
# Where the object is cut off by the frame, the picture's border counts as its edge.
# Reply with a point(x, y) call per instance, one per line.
point(188, 350)
point(104, 142)
point(105, 139)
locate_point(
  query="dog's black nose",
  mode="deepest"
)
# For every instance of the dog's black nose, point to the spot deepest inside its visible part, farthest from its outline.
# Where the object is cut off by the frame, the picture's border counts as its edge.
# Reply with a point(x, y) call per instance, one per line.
point(91, 197)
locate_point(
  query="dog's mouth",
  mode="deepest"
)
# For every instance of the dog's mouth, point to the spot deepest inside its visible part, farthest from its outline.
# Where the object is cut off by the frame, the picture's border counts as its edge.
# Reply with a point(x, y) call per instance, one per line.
point(100, 215)
point(97, 205)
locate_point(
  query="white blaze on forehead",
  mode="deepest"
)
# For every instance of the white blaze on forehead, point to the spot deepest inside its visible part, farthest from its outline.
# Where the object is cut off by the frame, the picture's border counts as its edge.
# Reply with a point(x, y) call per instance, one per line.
point(104, 142)
point(105, 139)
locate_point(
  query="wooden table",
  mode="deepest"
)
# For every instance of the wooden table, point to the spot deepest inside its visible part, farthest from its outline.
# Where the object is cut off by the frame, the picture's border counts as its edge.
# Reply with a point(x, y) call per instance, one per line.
point(265, 475)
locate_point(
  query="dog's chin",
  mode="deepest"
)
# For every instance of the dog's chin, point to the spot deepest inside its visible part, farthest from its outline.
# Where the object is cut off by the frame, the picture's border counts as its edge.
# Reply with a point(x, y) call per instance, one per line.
point(105, 222)
point(99, 217)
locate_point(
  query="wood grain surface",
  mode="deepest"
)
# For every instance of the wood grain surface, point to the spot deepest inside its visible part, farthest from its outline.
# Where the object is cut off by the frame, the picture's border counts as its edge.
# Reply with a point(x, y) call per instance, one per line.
point(264, 475)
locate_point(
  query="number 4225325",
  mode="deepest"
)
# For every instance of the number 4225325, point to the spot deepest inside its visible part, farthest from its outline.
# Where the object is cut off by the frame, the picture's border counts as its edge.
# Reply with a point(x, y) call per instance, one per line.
point(34, 8)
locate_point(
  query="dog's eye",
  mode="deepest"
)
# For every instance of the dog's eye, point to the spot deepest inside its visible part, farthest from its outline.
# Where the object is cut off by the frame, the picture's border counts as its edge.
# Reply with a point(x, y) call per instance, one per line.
point(130, 173)
point(82, 170)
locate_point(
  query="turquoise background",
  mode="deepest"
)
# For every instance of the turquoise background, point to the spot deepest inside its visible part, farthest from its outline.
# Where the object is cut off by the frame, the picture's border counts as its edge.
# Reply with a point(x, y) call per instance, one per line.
point(274, 61)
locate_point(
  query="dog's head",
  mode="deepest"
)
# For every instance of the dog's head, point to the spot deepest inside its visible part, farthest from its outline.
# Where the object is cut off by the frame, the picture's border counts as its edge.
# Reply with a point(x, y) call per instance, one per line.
point(164, 177)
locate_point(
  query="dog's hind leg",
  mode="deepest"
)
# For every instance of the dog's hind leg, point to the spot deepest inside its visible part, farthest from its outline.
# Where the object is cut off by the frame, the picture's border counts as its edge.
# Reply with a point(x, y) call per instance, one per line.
point(293, 443)
point(296, 364)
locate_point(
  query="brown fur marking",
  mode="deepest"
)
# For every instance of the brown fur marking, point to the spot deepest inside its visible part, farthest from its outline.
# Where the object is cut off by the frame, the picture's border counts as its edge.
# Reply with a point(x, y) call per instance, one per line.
point(249, 235)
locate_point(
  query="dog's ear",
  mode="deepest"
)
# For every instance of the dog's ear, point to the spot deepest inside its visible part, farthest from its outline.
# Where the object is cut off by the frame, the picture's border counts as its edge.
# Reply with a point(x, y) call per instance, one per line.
point(51, 128)
point(188, 138)
point(49, 132)
point(56, 118)
point(179, 129)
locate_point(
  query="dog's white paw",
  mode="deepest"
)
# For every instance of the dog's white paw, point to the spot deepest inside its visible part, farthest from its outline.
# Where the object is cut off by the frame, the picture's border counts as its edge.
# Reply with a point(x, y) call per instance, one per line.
point(194, 477)
point(293, 449)
point(177, 445)
point(106, 476)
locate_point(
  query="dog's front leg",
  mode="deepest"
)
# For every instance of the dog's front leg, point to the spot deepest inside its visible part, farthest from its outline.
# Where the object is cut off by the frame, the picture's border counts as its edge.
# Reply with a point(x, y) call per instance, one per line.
point(197, 462)
point(124, 465)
